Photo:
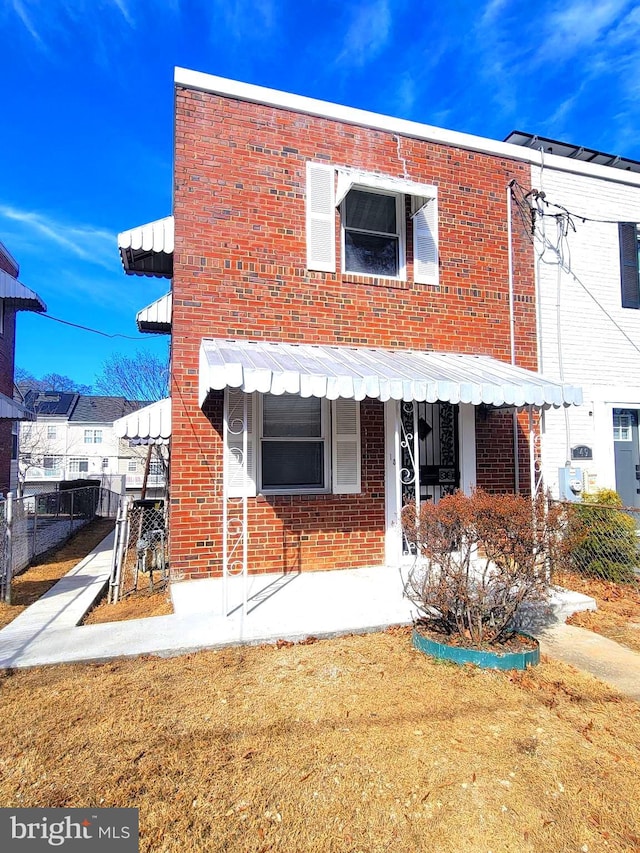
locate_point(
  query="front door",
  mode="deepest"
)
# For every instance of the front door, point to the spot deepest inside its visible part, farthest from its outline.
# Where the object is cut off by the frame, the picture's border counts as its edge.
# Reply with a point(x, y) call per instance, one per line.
point(627, 455)
point(429, 452)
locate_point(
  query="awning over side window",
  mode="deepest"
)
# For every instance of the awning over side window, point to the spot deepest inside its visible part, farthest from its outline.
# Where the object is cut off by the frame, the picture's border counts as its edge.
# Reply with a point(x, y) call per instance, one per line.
point(149, 425)
point(20, 296)
point(357, 372)
point(148, 249)
point(11, 410)
point(349, 178)
point(156, 318)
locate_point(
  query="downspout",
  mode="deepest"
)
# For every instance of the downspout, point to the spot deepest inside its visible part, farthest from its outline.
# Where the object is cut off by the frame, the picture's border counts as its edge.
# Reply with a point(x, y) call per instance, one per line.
point(512, 337)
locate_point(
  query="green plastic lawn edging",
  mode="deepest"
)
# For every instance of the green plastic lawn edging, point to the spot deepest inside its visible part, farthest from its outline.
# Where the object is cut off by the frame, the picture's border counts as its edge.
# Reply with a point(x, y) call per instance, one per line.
point(483, 659)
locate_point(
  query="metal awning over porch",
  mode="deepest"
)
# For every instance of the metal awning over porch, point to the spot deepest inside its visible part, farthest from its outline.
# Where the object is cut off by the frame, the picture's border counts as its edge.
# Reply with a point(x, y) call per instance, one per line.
point(149, 425)
point(358, 372)
point(19, 295)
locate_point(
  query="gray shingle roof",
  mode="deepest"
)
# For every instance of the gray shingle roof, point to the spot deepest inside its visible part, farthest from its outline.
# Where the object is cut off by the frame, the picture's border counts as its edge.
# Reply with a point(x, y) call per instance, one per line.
point(83, 408)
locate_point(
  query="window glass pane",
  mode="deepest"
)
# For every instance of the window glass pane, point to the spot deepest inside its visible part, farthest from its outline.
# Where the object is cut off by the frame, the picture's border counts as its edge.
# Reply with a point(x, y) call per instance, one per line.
point(370, 212)
point(367, 253)
point(292, 464)
point(290, 416)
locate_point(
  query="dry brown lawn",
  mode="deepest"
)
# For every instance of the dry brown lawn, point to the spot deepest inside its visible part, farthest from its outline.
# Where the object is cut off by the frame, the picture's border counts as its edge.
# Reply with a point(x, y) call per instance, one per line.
point(618, 613)
point(345, 745)
point(47, 571)
point(138, 605)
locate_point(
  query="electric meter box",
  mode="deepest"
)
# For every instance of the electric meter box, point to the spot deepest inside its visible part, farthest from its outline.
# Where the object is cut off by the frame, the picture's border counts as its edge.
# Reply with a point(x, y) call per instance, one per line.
point(570, 483)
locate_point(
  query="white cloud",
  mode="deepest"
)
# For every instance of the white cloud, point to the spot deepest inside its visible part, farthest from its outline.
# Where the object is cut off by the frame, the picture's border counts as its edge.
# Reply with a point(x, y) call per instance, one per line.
point(93, 245)
point(367, 34)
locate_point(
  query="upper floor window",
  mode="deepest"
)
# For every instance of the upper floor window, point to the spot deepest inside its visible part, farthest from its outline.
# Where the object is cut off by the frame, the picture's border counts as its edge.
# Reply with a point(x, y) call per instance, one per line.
point(52, 432)
point(93, 436)
point(374, 218)
point(132, 466)
point(629, 264)
point(372, 234)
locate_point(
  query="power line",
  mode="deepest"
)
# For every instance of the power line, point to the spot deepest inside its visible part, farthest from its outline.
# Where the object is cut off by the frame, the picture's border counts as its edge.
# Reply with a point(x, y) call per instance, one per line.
point(95, 331)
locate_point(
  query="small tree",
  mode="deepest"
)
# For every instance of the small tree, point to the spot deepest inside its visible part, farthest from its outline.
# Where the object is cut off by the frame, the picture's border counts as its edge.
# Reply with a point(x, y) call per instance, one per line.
point(601, 538)
point(143, 376)
point(480, 558)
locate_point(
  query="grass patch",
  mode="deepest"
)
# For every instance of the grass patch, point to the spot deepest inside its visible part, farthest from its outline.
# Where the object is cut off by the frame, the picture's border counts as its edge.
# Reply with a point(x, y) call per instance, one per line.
point(48, 569)
point(618, 613)
point(354, 744)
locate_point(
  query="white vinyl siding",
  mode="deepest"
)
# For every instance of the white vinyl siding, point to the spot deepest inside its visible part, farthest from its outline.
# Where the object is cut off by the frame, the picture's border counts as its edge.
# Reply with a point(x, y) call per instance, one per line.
point(239, 417)
point(346, 449)
point(321, 234)
point(425, 240)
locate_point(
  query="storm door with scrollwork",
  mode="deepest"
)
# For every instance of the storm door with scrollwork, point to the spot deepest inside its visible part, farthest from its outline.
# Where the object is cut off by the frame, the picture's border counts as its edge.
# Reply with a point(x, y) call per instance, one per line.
point(429, 452)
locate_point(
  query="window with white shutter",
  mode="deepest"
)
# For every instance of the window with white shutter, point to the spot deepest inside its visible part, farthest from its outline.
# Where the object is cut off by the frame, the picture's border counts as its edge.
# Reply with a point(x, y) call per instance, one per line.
point(239, 421)
point(321, 213)
point(294, 451)
point(346, 450)
point(425, 240)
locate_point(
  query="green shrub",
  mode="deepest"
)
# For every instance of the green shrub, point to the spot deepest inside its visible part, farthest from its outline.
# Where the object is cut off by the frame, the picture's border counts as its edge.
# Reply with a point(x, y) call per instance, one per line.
point(601, 538)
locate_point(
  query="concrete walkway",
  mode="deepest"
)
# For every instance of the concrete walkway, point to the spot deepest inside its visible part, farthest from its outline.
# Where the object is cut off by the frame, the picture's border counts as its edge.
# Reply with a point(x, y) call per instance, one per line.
point(612, 663)
point(289, 607)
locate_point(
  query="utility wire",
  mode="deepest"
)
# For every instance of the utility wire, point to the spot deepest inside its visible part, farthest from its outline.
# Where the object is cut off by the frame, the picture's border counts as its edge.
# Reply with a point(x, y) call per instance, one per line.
point(89, 329)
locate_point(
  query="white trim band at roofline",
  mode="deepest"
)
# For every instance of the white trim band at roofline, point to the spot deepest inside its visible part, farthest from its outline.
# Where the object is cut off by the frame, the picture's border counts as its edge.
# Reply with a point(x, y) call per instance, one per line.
point(202, 82)
point(357, 373)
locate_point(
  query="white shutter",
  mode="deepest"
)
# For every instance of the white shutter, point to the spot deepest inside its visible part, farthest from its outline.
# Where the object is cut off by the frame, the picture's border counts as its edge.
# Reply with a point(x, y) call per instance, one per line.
point(321, 218)
point(425, 240)
point(239, 481)
point(345, 449)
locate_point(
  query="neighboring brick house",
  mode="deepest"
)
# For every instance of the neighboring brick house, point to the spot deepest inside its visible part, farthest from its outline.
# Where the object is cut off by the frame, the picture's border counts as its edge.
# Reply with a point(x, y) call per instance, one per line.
point(73, 438)
point(14, 297)
point(341, 324)
point(586, 208)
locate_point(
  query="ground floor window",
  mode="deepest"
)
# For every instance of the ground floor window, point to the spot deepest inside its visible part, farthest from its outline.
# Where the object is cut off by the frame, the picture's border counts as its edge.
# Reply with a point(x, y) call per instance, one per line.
point(293, 451)
point(78, 466)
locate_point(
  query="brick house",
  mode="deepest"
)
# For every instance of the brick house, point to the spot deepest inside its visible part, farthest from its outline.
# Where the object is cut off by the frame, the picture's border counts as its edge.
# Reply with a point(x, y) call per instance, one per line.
point(353, 325)
point(14, 297)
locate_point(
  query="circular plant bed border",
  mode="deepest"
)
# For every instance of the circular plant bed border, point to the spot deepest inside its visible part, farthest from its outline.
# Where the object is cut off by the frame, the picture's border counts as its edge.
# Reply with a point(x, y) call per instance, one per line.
point(483, 659)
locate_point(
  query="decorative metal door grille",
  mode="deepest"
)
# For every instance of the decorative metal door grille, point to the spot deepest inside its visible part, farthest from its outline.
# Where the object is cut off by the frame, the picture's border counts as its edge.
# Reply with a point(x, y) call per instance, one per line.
point(429, 452)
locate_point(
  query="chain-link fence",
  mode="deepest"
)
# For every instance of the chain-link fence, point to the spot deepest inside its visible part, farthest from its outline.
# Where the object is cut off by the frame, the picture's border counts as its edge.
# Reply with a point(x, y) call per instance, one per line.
point(601, 541)
point(32, 525)
point(141, 558)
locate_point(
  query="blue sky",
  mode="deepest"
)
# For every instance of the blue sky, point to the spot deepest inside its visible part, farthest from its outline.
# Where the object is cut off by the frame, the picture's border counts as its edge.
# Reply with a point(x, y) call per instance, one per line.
point(86, 142)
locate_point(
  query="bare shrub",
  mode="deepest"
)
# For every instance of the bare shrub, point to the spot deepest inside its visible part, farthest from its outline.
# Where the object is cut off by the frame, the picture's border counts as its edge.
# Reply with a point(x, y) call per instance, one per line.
point(479, 559)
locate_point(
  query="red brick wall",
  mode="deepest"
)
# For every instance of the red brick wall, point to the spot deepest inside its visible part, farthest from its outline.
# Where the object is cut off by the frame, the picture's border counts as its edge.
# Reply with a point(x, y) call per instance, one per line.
point(239, 271)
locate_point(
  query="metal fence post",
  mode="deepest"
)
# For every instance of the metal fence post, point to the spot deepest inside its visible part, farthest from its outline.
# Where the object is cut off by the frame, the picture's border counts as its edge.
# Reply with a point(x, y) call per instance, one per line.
point(9, 550)
point(70, 511)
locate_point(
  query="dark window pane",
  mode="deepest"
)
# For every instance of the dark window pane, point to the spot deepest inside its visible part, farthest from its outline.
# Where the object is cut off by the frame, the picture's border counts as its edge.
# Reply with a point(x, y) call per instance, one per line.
point(292, 464)
point(369, 254)
point(290, 416)
point(370, 212)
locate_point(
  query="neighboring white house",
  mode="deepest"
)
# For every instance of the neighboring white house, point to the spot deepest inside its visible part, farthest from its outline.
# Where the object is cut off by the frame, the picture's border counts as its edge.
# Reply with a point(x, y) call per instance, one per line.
point(73, 438)
point(586, 210)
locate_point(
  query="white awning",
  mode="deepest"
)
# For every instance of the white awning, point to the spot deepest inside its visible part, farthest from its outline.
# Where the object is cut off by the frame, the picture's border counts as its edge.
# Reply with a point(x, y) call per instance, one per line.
point(148, 249)
point(349, 178)
point(149, 425)
point(23, 297)
point(11, 410)
point(156, 317)
point(356, 373)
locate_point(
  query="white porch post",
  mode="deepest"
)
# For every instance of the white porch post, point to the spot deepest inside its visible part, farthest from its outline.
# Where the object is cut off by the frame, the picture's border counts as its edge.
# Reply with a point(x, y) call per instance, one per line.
point(467, 433)
point(393, 531)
